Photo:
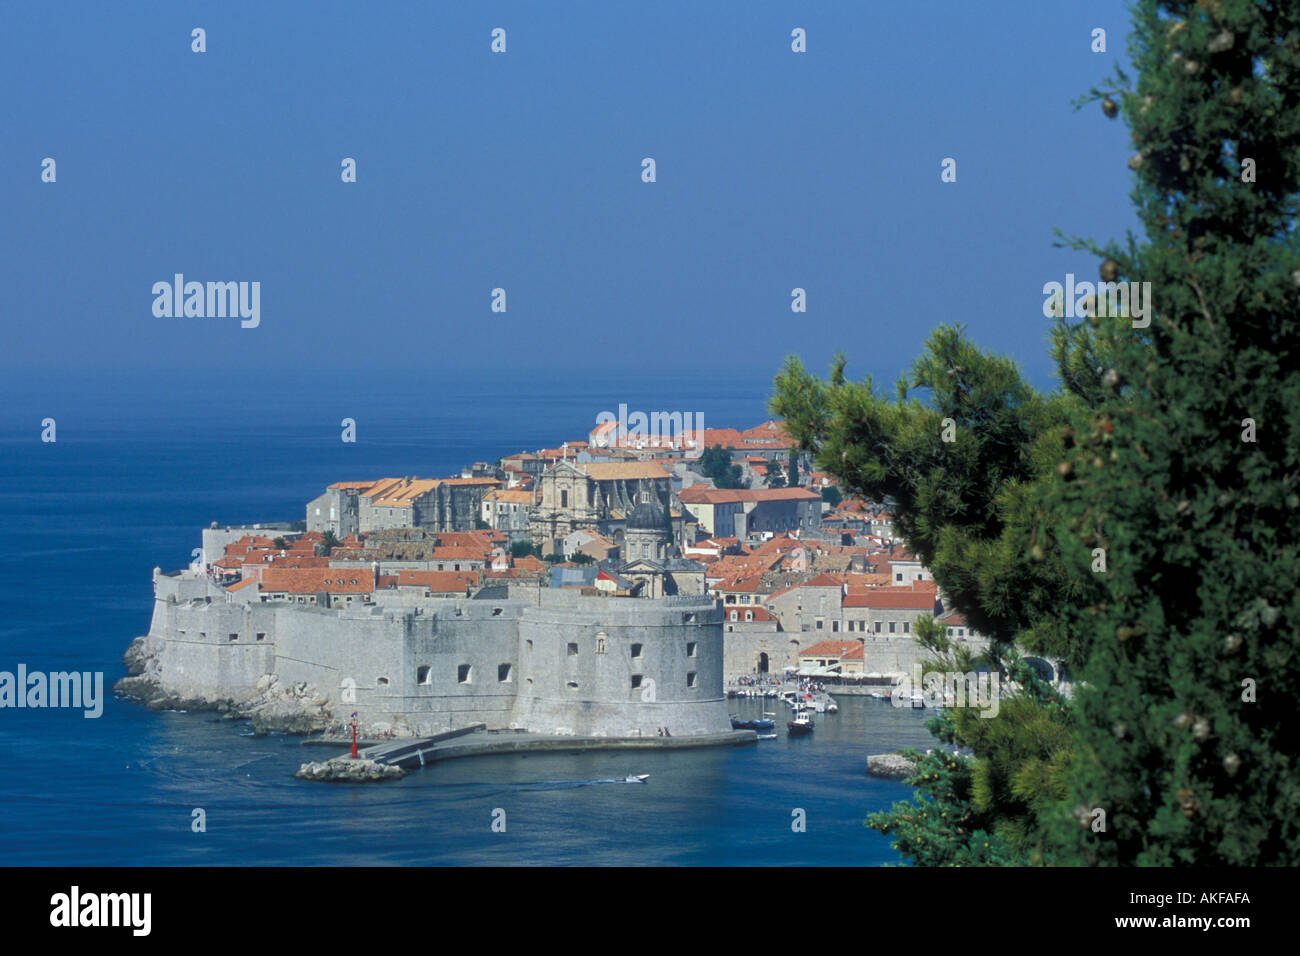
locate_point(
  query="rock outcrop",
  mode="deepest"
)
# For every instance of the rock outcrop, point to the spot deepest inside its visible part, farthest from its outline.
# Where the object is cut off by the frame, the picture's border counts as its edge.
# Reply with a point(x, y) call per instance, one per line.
point(347, 770)
point(269, 706)
point(890, 766)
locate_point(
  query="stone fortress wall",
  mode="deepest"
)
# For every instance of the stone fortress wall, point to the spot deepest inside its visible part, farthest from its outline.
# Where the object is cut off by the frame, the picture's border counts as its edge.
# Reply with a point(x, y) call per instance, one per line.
point(550, 661)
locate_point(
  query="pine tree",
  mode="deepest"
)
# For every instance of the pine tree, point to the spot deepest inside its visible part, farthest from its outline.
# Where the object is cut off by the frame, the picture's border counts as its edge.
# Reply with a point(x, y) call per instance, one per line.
point(968, 468)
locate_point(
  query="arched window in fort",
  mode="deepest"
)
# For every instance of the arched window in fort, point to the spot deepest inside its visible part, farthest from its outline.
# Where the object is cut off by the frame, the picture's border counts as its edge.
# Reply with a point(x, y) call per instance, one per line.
point(422, 674)
point(600, 643)
point(382, 682)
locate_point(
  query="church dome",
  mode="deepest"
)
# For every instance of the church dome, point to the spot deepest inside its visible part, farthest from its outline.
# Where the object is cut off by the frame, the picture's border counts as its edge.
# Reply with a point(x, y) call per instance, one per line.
point(646, 517)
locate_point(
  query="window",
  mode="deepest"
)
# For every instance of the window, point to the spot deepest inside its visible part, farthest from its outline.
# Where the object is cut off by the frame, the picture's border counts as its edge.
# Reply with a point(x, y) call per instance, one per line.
point(600, 643)
point(573, 650)
point(733, 615)
point(835, 625)
point(636, 681)
point(820, 624)
point(749, 615)
point(690, 648)
point(877, 627)
point(422, 674)
point(463, 674)
point(572, 685)
point(636, 650)
point(503, 674)
point(530, 647)
point(891, 627)
point(690, 679)
point(261, 635)
point(234, 637)
point(907, 627)
point(382, 682)
point(898, 576)
point(564, 499)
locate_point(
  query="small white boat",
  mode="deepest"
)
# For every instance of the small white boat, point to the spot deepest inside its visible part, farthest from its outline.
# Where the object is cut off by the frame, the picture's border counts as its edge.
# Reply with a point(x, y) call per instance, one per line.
point(767, 736)
point(832, 707)
point(637, 778)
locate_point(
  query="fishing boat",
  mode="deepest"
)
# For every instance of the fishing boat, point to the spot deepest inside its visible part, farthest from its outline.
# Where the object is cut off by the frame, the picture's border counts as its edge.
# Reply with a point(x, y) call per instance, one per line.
point(637, 778)
point(763, 724)
point(802, 724)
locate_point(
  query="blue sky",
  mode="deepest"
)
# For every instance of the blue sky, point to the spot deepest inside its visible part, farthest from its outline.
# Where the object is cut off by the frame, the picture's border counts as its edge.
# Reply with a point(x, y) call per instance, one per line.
point(775, 170)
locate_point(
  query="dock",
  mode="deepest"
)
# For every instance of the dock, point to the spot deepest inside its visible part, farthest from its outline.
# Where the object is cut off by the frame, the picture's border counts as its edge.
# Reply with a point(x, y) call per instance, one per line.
point(478, 741)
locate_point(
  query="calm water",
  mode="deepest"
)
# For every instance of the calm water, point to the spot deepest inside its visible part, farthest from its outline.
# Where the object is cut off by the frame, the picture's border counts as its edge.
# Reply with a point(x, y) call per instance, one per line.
point(142, 462)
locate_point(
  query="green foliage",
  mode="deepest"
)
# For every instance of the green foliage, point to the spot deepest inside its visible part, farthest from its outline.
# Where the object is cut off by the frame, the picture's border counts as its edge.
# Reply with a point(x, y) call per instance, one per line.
point(280, 544)
point(973, 510)
point(715, 463)
point(519, 549)
point(831, 495)
point(1143, 457)
point(792, 467)
point(941, 826)
point(329, 542)
point(968, 508)
point(1199, 527)
point(481, 525)
point(775, 477)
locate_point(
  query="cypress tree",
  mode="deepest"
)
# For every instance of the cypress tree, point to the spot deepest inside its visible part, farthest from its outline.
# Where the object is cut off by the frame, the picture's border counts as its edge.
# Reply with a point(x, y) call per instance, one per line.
point(1185, 471)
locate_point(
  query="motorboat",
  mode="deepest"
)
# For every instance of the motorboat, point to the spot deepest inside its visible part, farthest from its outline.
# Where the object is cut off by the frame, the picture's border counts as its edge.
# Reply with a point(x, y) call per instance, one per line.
point(802, 724)
point(767, 736)
point(637, 778)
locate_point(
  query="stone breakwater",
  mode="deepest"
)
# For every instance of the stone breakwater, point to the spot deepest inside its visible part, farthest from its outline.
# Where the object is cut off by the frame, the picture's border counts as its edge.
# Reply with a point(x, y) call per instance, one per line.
point(269, 704)
point(347, 770)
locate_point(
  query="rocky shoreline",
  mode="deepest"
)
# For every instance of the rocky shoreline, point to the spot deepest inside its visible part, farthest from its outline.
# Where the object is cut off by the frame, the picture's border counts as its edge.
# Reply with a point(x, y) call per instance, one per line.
point(270, 707)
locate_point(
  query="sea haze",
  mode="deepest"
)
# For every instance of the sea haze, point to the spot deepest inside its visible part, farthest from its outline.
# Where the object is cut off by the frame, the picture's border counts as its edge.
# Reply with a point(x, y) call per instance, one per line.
point(143, 461)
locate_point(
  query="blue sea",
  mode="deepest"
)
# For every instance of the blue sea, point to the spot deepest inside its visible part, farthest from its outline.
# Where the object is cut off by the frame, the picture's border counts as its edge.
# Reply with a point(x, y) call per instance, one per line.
point(143, 460)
